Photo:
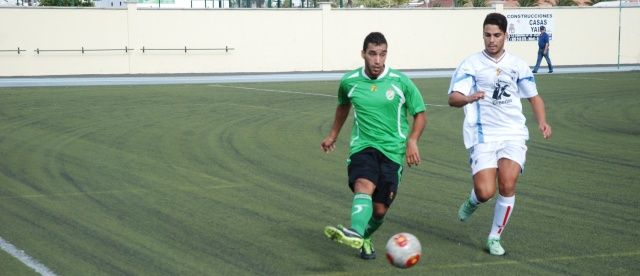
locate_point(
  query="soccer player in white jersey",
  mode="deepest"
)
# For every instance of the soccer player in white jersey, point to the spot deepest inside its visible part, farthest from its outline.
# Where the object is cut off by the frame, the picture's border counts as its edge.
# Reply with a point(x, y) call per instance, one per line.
point(381, 140)
point(489, 85)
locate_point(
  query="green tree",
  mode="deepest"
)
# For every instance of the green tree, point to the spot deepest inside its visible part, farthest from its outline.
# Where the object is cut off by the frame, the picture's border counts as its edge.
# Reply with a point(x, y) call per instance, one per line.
point(460, 3)
point(67, 3)
point(479, 3)
point(527, 3)
point(566, 3)
point(286, 3)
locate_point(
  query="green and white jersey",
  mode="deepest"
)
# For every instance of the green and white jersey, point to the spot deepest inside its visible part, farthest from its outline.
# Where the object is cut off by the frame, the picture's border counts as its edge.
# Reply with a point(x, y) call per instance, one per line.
point(380, 109)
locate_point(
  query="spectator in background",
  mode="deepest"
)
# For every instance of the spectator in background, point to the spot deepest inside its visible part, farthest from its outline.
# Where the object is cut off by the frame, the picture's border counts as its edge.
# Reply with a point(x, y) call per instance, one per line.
point(543, 50)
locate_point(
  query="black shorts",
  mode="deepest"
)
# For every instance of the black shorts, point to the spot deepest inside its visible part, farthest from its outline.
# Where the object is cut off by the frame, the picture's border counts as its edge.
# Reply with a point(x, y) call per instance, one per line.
point(373, 165)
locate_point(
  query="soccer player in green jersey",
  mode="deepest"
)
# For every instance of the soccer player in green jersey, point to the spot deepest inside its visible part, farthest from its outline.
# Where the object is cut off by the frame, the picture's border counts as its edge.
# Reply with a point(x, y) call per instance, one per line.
point(381, 140)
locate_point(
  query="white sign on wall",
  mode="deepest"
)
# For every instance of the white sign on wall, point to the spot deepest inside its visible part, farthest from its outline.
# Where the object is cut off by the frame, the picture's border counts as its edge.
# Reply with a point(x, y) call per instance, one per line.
point(525, 25)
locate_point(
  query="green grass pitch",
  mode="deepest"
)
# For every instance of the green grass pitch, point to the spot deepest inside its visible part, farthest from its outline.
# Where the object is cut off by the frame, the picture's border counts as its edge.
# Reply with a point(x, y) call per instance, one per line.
point(230, 180)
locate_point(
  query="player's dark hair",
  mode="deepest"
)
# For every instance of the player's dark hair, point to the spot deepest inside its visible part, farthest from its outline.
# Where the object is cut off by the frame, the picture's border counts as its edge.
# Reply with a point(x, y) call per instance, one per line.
point(496, 19)
point(376, 38)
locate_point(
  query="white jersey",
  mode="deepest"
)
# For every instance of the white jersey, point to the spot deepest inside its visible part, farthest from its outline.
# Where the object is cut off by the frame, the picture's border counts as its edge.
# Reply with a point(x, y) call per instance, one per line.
point(497, 117)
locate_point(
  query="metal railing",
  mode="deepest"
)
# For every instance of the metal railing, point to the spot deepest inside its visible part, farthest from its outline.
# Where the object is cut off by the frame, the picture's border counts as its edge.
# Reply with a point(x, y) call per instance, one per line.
point(83, 50)
point(18, 50)
point(186, 49)
point(126, 49)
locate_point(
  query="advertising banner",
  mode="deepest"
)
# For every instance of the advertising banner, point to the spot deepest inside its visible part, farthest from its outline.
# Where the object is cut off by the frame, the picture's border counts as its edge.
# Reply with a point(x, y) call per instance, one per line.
point(525, 25)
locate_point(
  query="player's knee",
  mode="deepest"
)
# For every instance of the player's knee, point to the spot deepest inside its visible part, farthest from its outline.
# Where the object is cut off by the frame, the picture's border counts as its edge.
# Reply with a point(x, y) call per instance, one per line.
point(507, 189)
point(484, 196)
point(364, 186)
point(507, 192)
point(379, 214)
point(379, 211)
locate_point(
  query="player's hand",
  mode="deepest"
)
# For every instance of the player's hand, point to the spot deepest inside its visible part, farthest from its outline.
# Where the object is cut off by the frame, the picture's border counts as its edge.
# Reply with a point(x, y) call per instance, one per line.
point(328, 144)
point(545, 129)
point(413, 154)
point(475, 97)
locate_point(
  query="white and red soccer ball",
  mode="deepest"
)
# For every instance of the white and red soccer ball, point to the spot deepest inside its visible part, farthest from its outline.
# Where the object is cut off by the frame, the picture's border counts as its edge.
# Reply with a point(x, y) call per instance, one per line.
point(403, 250)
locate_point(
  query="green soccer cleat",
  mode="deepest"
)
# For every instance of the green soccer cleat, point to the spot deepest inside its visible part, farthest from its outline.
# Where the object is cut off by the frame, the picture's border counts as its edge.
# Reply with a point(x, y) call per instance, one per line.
point(494, 247)
point(466, 209)
point(344, 236)
point(366, 251)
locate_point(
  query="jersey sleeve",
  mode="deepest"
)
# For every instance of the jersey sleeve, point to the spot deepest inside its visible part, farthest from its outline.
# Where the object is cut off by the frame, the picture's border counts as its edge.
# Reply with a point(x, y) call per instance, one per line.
point(526, 82)
point(343, 93)
point(463, 79)
point(415, 103)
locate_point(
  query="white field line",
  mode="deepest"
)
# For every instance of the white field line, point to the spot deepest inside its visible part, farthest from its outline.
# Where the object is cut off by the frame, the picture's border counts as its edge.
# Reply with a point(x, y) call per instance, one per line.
point(24, 258)
point(507, 262)
point(293, 92)
point(274, 90)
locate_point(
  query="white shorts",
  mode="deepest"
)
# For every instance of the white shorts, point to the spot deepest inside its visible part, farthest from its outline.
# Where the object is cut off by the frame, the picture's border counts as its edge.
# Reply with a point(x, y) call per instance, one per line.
point(486, 155)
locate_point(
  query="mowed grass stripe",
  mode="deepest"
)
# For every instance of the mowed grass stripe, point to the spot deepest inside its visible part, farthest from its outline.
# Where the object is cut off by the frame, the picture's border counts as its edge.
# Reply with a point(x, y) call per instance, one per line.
point(483, 265)
point(211, 180)
point(236, 178)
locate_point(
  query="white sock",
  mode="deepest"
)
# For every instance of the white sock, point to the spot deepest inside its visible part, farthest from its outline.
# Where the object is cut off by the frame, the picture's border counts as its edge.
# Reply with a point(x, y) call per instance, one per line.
point(501, 214)
point(473, 197)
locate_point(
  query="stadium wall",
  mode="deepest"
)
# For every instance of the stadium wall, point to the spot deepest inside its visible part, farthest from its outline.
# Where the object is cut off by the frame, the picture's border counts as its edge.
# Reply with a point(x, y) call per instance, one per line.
point(285, 40)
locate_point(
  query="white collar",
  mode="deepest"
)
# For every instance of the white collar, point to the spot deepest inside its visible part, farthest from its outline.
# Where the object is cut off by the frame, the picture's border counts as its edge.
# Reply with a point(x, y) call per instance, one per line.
point(504, 53)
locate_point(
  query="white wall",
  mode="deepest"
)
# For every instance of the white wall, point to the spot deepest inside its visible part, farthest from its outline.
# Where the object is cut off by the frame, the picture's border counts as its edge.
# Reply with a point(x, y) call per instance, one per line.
point(36, 28)
point(285, 40)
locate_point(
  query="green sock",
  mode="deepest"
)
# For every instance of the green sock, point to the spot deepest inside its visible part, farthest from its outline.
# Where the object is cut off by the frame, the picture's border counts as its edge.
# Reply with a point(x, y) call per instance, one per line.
point(372, 226)
point(361, 212)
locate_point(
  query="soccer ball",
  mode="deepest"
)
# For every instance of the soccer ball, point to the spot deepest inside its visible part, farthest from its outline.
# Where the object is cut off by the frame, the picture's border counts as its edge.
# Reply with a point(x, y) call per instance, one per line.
point(403, 250)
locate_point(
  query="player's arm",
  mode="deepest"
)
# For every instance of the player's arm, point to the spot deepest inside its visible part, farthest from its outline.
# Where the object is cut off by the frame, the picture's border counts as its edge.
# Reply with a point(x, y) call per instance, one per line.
point(342, 112)
point(537, 105)
point(413, 154)
point(457, 99)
